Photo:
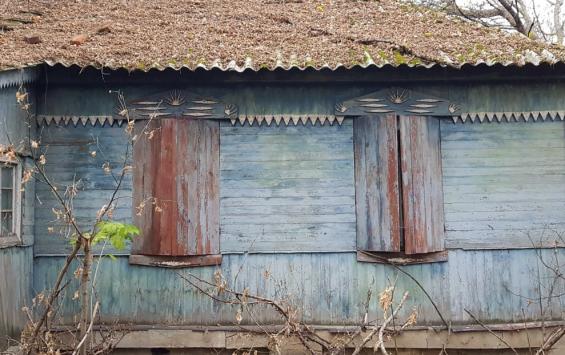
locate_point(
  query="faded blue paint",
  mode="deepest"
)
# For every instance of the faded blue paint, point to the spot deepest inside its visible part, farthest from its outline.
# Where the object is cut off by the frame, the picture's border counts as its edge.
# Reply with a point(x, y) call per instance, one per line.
point(78, 155)
point(16, 262)
point(287, 188)
point(16, 269)
point(519, 168)
point(499, 179)
point(327, 288)
point(503, 183)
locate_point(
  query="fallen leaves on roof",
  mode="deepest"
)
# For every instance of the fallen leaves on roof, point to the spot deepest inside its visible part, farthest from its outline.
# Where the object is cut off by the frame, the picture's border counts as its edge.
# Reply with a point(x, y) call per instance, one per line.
point(256, 34)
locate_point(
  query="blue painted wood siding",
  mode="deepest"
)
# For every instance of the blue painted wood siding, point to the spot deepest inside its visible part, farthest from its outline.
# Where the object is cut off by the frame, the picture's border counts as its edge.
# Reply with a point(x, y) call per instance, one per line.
point(503, 183)
point(16, 262)
point(70, 159)
point(16, 267)
point(327, 288)
point(490, 169)
point(287, 188)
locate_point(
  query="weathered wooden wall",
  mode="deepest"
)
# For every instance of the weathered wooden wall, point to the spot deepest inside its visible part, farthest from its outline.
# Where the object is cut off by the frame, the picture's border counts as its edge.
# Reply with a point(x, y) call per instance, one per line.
point(71, 159)
point(16, 262)
point(287, 188)
point(16, 267)
point(328, 288)
point(504, 184)
point(509, 163)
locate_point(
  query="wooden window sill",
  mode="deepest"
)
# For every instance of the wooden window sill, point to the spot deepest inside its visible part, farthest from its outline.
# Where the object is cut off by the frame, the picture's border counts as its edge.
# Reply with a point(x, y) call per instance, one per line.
point(176, 262)
point(12, 241)
point(401, 258)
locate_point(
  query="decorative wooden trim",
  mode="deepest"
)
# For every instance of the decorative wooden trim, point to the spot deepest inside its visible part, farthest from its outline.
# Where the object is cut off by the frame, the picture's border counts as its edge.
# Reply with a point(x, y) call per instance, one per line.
point(76, 121)
point(177, 104)
point(18, 77)
point(500, 117)
point(287, 120)
point(400, 101)
point(175, 262)
point(401, 258)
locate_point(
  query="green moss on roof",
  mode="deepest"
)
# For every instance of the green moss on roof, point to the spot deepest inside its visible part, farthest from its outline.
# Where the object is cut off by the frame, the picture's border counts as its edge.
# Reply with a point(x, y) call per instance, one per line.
point(256, 34)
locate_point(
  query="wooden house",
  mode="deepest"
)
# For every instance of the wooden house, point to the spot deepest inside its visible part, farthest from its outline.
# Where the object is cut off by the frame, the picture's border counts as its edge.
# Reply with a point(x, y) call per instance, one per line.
point(311, 151)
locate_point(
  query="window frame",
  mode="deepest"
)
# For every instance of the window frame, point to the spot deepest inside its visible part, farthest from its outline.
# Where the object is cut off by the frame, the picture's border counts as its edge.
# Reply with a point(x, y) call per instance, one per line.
point(404, 104)
point(15, 238)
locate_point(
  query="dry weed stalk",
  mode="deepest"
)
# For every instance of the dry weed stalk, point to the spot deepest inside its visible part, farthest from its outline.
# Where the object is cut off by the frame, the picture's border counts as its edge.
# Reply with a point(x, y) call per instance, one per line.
point(219, 291)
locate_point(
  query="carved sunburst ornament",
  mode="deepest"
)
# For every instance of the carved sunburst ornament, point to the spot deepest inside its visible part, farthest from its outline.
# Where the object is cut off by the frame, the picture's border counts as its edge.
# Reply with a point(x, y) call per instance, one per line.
point(230, 110)
point(398, 96)
point(340, 108)
point(454, 108)
point(175, 98)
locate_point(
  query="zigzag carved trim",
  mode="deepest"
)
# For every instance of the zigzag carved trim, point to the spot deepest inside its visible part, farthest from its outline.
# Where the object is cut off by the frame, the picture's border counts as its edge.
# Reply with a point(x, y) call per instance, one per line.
point(480, 117)
point(79, 120)
point(287, 120)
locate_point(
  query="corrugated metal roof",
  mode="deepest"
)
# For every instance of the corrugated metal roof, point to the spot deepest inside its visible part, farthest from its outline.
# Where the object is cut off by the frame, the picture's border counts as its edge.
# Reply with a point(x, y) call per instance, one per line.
point(256, 35)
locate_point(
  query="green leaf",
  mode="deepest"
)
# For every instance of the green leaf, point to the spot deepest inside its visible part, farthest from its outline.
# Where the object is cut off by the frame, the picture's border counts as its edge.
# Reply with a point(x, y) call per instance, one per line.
point(117, 233)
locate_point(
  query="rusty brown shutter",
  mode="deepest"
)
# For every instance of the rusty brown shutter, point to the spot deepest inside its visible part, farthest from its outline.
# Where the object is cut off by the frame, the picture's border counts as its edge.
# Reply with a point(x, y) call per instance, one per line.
point(376, 183)
point(176, 188)
point(422, 189)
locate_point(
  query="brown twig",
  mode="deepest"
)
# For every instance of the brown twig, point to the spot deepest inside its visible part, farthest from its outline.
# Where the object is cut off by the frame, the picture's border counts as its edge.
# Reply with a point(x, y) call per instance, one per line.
point(491, 332)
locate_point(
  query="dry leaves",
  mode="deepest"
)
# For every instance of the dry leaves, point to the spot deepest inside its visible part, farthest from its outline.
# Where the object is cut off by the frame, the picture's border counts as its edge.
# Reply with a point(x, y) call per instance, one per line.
point(158, 33)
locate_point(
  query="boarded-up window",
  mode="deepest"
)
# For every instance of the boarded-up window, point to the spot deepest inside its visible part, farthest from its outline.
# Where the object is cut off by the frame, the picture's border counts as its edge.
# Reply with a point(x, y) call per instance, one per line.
point(398, 184)
point(176, 192)
point(287, 188)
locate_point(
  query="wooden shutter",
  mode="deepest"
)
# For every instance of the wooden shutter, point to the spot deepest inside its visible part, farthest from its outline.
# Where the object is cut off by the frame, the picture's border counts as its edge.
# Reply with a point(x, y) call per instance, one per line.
point(422, 189)
point(376, 183)
point(176, 189)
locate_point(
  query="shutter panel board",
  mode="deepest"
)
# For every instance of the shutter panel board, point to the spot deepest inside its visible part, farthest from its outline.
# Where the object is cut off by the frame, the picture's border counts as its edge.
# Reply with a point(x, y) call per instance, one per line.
point(423, 217)
point(201, 168)
point(143, 158)
point(376, 183)
point(176, 177)
point(164, 188)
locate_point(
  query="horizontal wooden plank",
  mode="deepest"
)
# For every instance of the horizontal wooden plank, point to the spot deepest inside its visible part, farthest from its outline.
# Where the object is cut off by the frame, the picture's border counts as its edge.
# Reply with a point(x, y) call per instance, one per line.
point(283, 201)
point(301, 165)
point(326, 209)
point(453, 197)
point(175, 262)
point(495, 179)
point(543, 215)
point(283, 182)
point(343, 152)
point(288, 219)
point(509, 239)
point(282, 172)
point(271, 140)
point(290, 192)
point(519, 226)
